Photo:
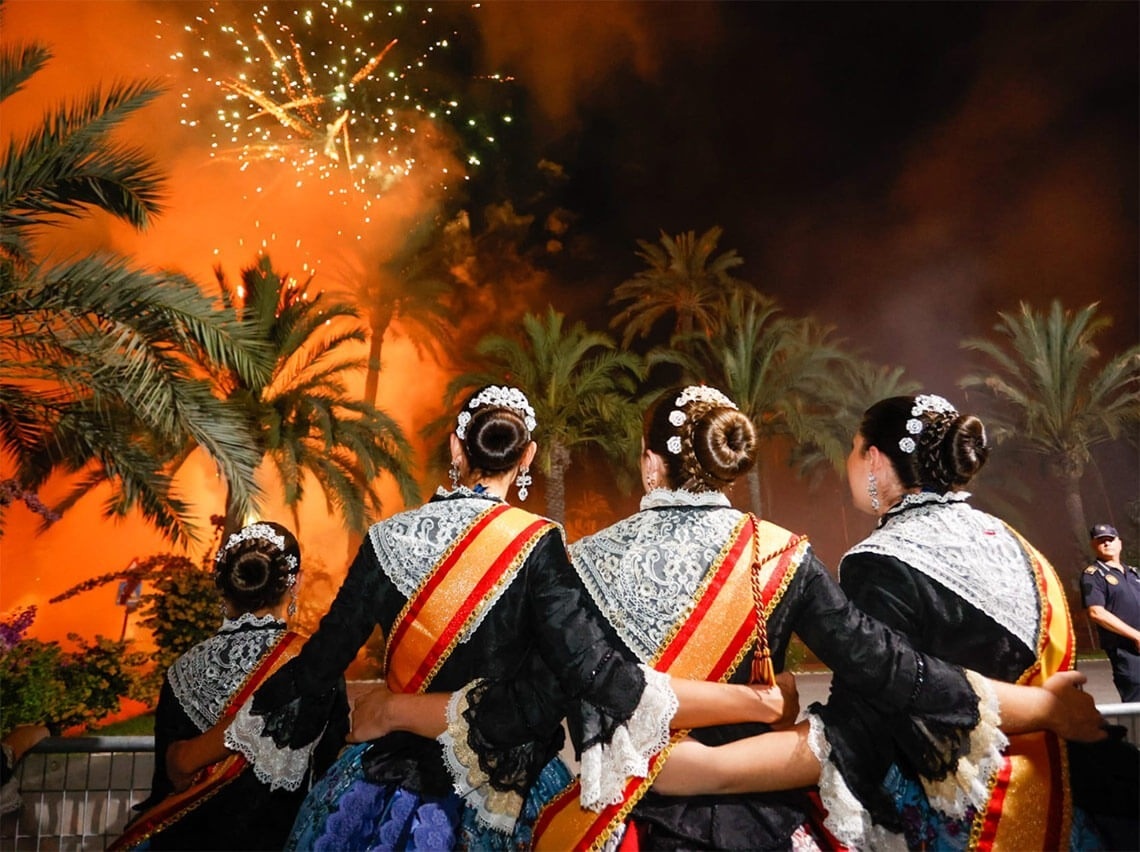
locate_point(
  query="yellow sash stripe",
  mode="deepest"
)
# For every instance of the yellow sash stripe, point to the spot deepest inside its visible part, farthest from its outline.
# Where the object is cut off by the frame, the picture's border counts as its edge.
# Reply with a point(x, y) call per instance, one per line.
point(707, 644)
point(1030, 798)
point(456, 593)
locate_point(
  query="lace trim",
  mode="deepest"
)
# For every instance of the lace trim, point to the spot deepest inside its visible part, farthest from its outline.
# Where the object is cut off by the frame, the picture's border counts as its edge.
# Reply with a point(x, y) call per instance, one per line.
point(921, 498)
point(496, 809)
point(267, 620)
point(279, 768)
point(968, 785)
point(845, 817)
point(408, 545)
point(206, 676)
point(607, 767)
point(972, 554)
point(645, 569)
point(663, 497)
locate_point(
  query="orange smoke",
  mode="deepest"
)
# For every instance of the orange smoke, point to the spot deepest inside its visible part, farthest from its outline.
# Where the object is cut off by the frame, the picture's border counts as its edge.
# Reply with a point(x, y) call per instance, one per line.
point(216, 213)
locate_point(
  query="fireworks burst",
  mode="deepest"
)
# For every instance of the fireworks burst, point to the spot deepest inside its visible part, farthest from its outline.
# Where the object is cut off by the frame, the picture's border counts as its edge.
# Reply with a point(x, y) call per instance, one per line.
point(338, 91)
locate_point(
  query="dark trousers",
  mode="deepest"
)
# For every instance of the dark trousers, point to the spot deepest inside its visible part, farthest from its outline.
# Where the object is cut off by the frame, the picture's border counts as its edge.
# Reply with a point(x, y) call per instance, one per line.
point(1125, 672)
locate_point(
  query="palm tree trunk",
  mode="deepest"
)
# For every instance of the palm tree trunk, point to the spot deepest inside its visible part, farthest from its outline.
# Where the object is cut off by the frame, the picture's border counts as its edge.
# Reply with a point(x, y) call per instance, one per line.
point(381, 318)
point(234, 521)
point(1075, 509)
point(556, 485)
point(755, 502)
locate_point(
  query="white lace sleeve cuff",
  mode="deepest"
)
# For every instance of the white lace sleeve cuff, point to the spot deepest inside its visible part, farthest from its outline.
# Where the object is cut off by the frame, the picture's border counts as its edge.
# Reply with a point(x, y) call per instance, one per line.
point(496, 809)
point(280, 768)
point(607, 767)
point(845, 817)
point(968, 784)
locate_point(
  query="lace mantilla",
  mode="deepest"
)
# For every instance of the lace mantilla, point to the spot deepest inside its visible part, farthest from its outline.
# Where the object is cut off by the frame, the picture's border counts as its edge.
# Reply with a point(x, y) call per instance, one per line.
point(496, 809)
point(645, 569)
point(967, 551)
point(410, 544)
point(607, 767)
point(845, 817)
point(204, 678)
point(278, 768)
point(664, 497)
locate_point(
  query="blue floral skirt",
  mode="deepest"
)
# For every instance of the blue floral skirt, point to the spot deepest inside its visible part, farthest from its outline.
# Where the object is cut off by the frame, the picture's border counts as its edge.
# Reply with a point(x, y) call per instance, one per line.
point(345, 811)
point(934, 831)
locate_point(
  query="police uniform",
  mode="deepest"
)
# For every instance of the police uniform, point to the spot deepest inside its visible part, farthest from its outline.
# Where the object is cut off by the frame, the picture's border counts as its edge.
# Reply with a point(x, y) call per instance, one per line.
point(1118, 591)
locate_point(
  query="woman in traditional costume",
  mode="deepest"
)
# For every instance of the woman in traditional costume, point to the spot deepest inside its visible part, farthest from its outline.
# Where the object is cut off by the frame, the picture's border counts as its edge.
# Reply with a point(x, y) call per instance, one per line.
point(699, 590)
point(469, 590)
point(256, 571)
point(962, 586)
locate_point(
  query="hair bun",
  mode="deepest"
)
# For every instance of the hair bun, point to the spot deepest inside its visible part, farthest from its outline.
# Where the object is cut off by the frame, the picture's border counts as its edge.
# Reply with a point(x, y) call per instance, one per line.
point(964, 449)
point(724, 444)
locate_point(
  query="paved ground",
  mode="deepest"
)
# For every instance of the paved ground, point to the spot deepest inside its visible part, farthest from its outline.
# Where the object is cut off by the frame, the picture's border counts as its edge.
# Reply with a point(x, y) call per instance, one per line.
point(814, 686)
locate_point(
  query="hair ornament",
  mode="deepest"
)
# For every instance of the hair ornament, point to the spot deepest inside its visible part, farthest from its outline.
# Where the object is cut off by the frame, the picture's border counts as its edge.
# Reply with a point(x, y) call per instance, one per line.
point(924, 403)
point(499, 397)
point(701, 393)
point(673, 445)
point(257, 531)
point(676, 417)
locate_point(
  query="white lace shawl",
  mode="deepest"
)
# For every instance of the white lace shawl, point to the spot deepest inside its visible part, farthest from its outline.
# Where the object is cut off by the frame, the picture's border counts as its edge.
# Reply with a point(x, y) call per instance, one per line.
point(206, 676)
point(408, 545)
point(605, 768)
point(644, 570)
point(972, 554)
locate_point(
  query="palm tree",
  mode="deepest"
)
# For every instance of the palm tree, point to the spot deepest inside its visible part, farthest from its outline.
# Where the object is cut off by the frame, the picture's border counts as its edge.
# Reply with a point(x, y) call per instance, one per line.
point(302, 416)
point(411, 298)
point(581, 386)
point(682, 278)
point(775, 367)
point(99, 359)
point(1053, 398)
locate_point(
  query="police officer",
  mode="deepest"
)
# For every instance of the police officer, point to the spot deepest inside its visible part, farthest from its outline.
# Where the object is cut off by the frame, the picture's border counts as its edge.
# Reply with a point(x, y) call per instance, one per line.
point(1111, 592)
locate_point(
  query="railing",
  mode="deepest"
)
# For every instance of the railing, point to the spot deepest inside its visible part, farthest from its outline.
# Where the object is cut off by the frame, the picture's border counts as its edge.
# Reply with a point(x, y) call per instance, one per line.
point(77, 792)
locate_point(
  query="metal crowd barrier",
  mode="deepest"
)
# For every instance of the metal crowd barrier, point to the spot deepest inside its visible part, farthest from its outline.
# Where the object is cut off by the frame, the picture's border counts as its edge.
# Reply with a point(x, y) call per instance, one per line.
point(77, 792)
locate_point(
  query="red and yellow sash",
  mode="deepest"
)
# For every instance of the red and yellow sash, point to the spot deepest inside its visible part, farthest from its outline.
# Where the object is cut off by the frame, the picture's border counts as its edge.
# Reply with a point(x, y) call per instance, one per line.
point(216, 776)
point(708, 644)
point(456, 592)
point(1030, 804)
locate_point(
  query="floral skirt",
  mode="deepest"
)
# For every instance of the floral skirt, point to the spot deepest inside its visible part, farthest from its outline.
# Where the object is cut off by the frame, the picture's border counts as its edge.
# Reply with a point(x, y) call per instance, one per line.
point(346, 811)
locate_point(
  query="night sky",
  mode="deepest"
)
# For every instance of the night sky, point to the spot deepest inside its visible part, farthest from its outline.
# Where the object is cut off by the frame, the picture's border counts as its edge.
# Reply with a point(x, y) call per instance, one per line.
point(901, 171)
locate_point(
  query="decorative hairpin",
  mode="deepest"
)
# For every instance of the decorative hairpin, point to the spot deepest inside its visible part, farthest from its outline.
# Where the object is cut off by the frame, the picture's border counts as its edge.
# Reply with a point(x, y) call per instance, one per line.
point(500, 397)
point(924, 403)
point(257, 531)
point(693, 393)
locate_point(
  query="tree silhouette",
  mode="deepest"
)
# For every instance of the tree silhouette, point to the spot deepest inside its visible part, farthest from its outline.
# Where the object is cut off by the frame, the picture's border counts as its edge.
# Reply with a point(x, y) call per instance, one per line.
point(777, 368)
point(100, 359)
point(1053, 393)
point(682, 279)
point(581, 386)
point(303, 417)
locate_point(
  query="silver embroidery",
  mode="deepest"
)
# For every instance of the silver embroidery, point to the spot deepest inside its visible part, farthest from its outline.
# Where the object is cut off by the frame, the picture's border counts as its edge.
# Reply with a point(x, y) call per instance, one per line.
point(204, 678)
point(645, 569)
point(972, 554)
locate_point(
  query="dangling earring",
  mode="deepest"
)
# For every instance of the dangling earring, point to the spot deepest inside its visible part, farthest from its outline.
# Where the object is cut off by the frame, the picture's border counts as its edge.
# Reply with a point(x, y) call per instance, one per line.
point(453, 473)
point(292, 610)
point(522, 481)
point(651, 482)
point(873, 491)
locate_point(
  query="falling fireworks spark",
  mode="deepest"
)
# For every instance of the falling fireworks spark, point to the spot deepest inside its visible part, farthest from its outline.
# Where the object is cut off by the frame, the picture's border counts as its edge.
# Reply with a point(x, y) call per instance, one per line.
point(338, 92)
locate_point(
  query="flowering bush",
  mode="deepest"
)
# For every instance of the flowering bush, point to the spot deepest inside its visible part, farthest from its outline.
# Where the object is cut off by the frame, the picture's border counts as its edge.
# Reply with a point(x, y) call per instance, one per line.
point(42, 683)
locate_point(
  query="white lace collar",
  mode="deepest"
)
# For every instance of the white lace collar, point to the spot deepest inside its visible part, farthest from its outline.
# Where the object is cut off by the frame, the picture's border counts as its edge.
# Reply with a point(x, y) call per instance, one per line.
point(644, 570)
point(967, 551)
point(248, 618)
point(923, 498)
point(663, 497)
point(464, 491)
